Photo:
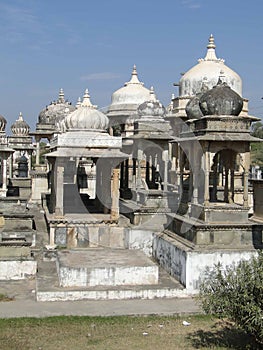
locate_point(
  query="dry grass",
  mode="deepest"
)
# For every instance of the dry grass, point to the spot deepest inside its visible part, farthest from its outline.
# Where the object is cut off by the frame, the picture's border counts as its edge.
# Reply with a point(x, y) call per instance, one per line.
point(4, 297)
point(120, 333)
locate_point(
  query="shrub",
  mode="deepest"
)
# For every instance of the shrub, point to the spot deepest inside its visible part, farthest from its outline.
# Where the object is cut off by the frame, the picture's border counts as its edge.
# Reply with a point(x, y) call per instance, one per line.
point(237, 294)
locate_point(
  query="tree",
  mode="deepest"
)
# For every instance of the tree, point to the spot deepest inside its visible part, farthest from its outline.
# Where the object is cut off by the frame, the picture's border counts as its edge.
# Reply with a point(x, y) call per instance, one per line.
point(257, 147)
point(257, 130)
point(237, 294)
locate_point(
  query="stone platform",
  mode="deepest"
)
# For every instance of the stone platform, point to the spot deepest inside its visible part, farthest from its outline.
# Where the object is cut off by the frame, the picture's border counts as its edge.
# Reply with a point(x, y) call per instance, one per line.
point(105, 267)
point(48, 287)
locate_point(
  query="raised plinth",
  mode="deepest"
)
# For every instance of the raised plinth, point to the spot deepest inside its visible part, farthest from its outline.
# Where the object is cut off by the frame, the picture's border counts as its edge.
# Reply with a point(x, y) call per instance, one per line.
point(220, 213)
point(104, 267)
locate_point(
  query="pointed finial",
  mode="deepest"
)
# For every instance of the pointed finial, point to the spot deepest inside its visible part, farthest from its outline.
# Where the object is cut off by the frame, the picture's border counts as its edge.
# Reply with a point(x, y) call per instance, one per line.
point(86, 100)
point(211, 44)
point(134, 77)
point(78, 103)
point(20, 117)
point(173, 97)
point(61, 97)
point(211, 53)
point(152, 94)
point(134, 71)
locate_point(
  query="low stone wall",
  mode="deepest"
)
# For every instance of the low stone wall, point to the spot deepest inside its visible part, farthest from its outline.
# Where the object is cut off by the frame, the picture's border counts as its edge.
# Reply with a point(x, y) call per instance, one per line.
point(17, 269)
point(188, 265)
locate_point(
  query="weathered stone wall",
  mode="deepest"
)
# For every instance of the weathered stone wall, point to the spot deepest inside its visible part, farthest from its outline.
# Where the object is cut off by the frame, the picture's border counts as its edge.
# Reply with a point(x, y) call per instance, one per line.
point(189, 266)
point(17, 269)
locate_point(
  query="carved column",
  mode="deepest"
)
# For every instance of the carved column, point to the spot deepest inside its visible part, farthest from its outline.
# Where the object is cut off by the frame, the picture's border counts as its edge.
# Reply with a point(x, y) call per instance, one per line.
point(139, 170)
point(59, 187)
point(165, 157)
point(246, 175)
point(115, 194)
point(4, 186)
point(37, 150)
point(10, 160)
point(207, 172)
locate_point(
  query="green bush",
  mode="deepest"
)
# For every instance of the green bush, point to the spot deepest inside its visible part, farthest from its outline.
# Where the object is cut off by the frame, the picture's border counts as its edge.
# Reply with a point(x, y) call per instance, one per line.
point(237, 294)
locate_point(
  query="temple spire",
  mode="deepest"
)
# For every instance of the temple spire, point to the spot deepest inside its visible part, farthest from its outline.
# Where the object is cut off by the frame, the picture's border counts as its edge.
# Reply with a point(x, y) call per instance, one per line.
point(211, 53)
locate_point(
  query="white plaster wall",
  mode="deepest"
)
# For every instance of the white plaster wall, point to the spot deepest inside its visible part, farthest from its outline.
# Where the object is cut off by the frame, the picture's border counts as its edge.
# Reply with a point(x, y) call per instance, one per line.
point(117, 276)
point(17, 270)
point(189, 266)
point(139, 239)
point(198, 262)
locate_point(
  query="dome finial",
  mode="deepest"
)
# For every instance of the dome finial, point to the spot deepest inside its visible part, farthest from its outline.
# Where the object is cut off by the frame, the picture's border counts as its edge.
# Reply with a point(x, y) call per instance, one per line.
point(20, 117)
point(86, 100)
point(134, 77)
point(78, 104)
point(211, 44)
point(211, 53)
point(152, 94)
point(61, 97)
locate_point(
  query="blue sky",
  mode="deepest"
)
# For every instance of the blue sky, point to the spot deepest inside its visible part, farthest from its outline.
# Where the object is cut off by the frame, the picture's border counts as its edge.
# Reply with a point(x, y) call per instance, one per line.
point(46, 45)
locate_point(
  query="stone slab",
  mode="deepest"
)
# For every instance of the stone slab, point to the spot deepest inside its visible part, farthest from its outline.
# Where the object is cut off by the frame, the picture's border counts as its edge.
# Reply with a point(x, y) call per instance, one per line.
point(95, 267)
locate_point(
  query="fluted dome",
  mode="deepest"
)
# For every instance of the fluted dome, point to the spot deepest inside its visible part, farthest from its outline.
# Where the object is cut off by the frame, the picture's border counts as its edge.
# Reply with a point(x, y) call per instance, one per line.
point(206, 72)
point(221, 100)
point(131, 95)
point(151, 108)
point(86, 117)
point(2, 123)
point(56, 111)
point(192, 108)
point(20, 127)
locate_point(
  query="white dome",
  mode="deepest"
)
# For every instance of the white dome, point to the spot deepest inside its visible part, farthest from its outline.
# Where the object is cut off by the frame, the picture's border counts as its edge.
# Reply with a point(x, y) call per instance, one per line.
point(206, 74)
point(132, 93)
point(85, 117)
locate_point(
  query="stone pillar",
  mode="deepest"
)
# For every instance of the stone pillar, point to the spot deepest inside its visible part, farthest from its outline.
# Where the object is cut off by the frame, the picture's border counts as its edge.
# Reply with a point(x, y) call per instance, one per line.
point(29, 162)
point(4, 186)
point(180, 171)
point(139, 170)
point(191, 179)
point(246, 175)
point(196, 179)
point(10, 166)
point(232, 186)
point(105, 192)
point(165, 157)
point(134, 173)
point(126, 173)
point(59, 188)
point(37, 150)
point(206, 184)
point(52, 237)
point(115, 195)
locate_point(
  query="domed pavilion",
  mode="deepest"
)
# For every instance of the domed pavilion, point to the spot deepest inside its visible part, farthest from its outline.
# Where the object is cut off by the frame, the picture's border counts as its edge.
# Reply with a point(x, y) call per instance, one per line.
point(83, 148)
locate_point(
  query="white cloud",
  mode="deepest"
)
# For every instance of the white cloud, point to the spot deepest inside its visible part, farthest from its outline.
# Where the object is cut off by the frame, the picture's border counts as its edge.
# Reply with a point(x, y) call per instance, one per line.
point(191, 4)
point(100, 76)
